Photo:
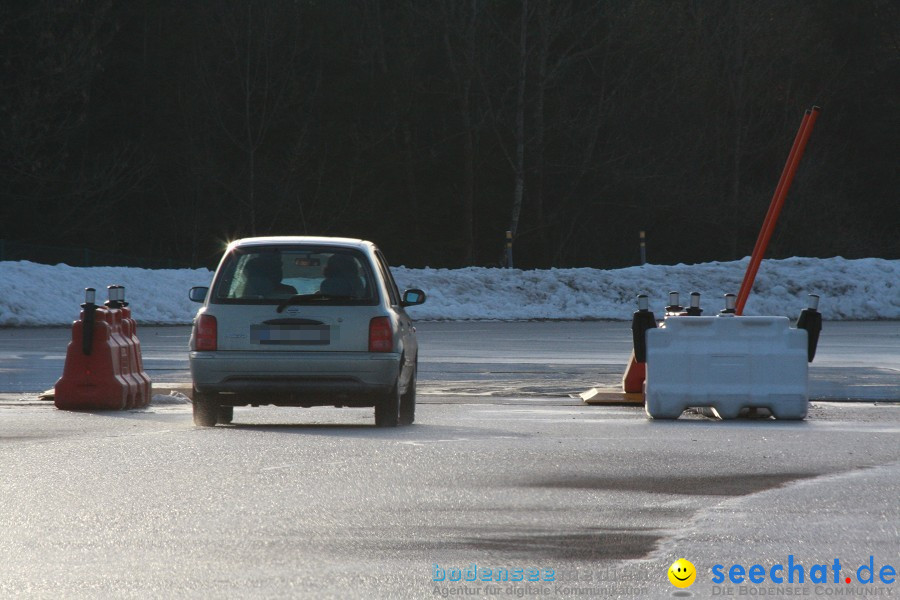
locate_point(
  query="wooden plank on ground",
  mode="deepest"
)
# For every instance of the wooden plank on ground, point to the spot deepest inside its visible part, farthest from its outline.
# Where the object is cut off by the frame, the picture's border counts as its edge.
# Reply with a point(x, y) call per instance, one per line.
point(610, 396)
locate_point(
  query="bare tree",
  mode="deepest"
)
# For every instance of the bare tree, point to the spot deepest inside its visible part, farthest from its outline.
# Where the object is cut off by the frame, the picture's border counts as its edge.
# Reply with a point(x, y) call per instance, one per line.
point(51, 167)
point(519, 165)
point(461, 20)
point(247, 65)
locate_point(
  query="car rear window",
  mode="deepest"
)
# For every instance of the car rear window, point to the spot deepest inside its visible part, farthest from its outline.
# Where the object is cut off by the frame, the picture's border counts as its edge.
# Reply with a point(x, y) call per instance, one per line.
point(305, 274)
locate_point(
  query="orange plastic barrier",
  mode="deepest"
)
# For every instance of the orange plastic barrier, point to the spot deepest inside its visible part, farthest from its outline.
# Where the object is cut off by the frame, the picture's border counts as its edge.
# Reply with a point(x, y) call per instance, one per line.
point(103, 369)
point(633, 379)
point(136, 362)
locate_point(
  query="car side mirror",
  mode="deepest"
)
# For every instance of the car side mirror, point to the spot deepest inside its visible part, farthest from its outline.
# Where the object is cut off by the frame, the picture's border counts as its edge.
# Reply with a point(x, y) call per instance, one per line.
point(413, 297)
point(198, 294)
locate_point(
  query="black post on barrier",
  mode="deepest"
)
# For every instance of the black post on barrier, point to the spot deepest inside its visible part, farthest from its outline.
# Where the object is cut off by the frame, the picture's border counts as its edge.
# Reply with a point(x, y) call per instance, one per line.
point(694, 309)
point(641, 321)
point(87, 323)
point(730, 301)
point(674, 308)
point(811, 320)
point(116, 296)
point(509, 244)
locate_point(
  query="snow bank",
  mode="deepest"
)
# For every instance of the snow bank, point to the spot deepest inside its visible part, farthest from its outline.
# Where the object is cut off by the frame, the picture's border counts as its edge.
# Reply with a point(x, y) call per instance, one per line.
point(34, 294)
point(863, 289)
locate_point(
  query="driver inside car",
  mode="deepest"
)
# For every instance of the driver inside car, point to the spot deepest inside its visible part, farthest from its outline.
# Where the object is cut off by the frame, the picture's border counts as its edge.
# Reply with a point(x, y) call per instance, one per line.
point(263, 274)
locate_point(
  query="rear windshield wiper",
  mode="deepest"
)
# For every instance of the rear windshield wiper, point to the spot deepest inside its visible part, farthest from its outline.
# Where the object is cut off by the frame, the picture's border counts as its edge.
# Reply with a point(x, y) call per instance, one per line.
point(300, 298)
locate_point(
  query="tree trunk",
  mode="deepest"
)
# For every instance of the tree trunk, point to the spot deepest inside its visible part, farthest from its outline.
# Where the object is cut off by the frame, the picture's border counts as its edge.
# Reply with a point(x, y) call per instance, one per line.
point(519, 189)
point(463, 75)
point(401, 115)
point(248, 122)
point(536, 193)
point(468, 193)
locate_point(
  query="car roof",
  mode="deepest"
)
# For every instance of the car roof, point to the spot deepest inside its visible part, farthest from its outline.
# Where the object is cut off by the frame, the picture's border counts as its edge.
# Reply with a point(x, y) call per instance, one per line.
point(301, 239)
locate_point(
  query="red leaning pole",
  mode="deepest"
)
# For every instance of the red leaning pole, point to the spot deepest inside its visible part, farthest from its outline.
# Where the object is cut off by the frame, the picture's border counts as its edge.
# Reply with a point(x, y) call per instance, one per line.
point(781, 190)
point(635, 372)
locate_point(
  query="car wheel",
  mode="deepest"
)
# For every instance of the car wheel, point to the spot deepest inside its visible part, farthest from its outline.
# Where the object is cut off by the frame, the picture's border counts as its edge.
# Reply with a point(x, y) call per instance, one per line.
point(408, 401)
point(226, 414)
point(206, 412)
point(387, 411)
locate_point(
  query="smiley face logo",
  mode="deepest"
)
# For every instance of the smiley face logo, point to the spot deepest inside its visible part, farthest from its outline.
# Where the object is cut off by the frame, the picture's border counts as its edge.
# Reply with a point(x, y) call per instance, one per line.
point(682, 573)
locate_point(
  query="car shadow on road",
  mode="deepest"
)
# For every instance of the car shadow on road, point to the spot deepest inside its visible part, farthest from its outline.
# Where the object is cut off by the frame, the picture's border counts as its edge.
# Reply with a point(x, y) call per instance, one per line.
point(420, 433)
point(740, 422)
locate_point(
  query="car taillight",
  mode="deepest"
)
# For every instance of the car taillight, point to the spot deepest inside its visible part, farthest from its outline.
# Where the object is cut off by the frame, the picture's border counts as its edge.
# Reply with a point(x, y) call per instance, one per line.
point(381, 337)
point(206, 333)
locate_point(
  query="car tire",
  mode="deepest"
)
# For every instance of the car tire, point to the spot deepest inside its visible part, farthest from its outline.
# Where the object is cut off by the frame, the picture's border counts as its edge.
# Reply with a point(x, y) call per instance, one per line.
point(206, 412)
point(226, 414)
point(387, 411)
point(408, 401)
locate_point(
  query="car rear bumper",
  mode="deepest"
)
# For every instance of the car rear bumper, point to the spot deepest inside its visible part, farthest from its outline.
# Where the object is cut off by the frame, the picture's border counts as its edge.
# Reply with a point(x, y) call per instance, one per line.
point(299, 379)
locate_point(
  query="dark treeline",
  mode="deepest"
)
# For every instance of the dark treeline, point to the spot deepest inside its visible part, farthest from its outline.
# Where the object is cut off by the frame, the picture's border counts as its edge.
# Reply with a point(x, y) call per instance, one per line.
point(432, 126)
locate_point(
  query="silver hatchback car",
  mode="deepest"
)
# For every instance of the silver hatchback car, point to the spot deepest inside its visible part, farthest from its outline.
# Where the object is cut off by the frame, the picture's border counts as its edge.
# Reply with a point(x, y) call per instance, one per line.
point(304, 321)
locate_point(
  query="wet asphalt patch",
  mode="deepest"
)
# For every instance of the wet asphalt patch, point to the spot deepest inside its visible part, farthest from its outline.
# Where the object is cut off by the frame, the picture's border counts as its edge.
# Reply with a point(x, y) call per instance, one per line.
point(588, 545)
point(728, 484)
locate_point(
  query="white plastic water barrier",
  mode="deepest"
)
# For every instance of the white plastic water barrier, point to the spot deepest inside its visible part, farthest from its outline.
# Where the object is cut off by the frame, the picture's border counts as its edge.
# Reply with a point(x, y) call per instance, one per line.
point(727, 363)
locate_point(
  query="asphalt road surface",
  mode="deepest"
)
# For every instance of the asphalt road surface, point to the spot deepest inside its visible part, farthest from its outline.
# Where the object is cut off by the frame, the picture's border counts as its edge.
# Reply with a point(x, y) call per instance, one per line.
point(855, 360)
point(503, 470)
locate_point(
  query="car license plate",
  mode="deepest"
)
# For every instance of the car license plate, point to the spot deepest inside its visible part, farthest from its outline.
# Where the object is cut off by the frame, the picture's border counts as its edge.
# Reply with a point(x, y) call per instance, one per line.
point(293, 334)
